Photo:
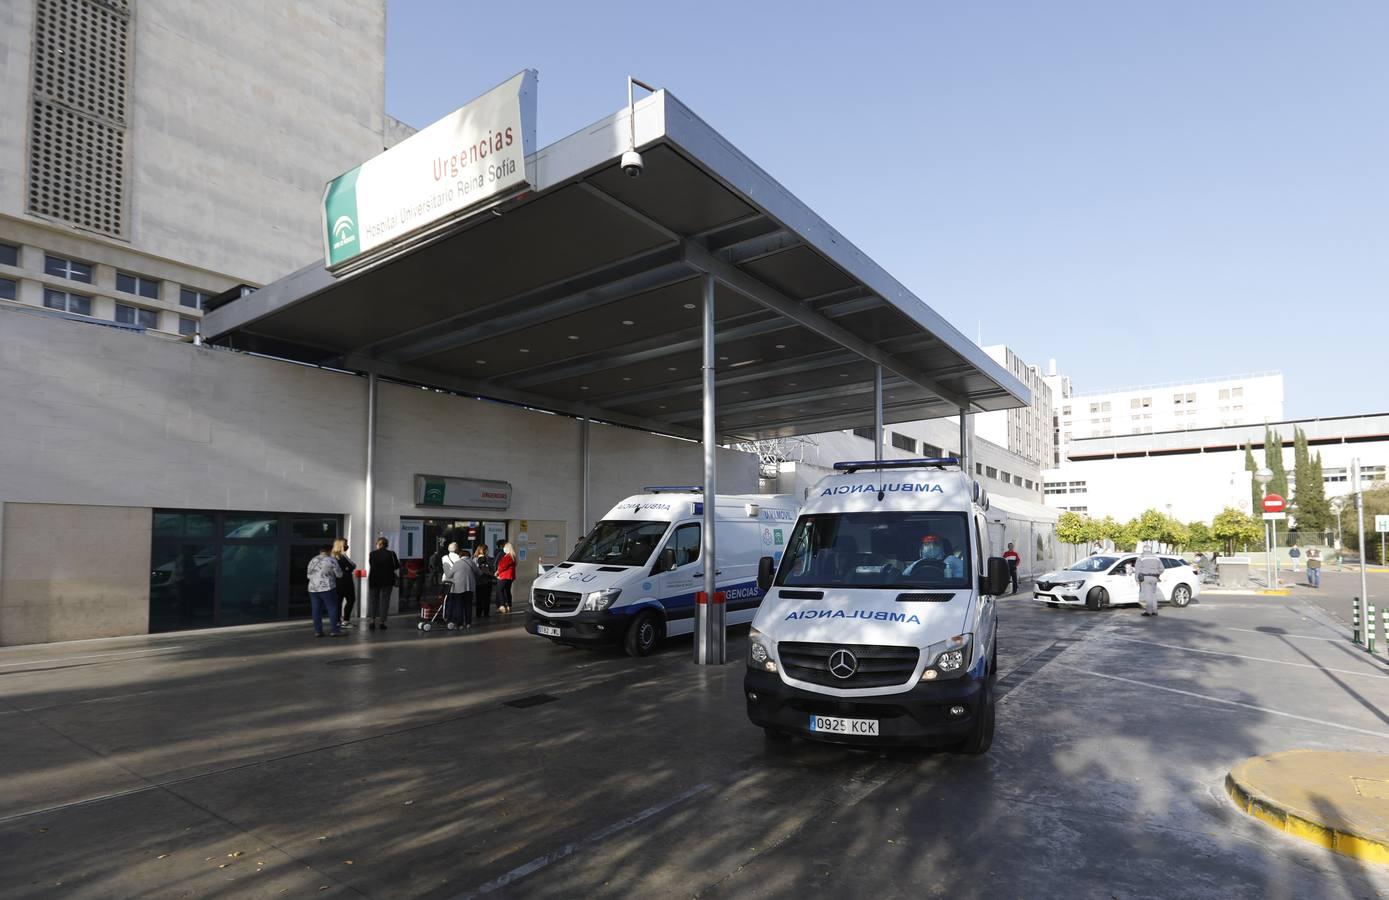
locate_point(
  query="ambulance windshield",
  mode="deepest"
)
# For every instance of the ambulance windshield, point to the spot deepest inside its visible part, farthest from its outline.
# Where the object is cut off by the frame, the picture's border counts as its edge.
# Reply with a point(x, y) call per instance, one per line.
point(879, 550)
point(620, 543)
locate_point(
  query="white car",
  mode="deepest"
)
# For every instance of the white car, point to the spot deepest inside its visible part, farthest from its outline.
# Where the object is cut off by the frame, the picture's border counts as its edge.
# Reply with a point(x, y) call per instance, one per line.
point(1106, 579)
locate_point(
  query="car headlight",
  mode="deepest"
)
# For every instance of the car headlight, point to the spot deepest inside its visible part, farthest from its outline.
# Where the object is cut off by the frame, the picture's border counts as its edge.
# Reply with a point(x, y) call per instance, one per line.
point(949, 658)
point(601, 600)
point(759, 657)
point(1074, 585)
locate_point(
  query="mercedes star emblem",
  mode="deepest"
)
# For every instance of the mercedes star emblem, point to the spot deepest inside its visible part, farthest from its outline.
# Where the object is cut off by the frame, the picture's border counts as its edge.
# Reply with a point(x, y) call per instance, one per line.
point(549, 601)
point(843, 664)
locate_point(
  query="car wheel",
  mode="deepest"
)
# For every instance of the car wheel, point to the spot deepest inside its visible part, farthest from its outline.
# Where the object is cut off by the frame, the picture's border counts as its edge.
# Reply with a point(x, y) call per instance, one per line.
point(1097, 599)
point(981, 738)
point(643, 635)
point(1181, 596)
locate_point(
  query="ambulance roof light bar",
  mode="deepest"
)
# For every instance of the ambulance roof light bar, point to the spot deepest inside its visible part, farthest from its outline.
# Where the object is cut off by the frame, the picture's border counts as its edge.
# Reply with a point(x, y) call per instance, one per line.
point(674, 489)
point(923, 463)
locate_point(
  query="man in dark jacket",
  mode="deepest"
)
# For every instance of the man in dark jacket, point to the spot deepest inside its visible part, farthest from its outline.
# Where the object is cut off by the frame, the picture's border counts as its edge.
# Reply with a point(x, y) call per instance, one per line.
point(383, 566)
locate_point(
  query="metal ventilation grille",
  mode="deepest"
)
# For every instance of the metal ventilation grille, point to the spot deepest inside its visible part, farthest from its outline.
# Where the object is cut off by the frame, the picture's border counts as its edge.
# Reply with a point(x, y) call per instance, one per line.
point(78, 129)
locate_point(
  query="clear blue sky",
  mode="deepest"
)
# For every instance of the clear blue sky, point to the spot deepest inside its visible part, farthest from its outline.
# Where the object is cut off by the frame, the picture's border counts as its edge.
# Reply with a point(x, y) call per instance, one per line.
point(1144, 191)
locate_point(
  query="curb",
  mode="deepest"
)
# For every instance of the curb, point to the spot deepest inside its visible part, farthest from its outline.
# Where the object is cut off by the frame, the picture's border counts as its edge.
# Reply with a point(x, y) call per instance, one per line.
point(1344, 842)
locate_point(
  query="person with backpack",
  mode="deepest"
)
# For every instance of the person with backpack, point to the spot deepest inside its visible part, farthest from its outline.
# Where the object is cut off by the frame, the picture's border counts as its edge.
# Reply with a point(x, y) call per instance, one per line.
point(382, 568)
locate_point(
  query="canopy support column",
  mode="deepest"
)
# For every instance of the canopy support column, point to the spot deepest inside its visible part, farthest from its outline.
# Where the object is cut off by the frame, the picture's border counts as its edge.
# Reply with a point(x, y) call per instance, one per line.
point(584, 453)
point(966, 451)
point(710, 629)
point(369, 501)
point(878, 413)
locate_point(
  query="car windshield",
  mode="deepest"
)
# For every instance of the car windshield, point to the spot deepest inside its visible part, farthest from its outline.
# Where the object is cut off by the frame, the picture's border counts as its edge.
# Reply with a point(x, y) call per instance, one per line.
point(1094, 564)
point(620, 543)
point(878, 550)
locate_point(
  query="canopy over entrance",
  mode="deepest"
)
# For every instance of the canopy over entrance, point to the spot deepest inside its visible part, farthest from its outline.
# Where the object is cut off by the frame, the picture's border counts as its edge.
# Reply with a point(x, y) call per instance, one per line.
point(585, 297)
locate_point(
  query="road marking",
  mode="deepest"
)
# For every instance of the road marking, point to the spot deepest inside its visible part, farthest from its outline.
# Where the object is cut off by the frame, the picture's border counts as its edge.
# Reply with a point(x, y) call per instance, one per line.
point(123, 653)
point(1262, 709)
point(1280, 662)
point(1305, 637)
point(621, 825)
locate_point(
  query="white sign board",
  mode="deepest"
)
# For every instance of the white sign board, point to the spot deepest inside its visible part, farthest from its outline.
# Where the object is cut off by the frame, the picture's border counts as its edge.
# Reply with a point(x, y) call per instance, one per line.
point(461, 493)
point(411, 543)
point(1381, 523)
point(475, 154)
point(1278, 516)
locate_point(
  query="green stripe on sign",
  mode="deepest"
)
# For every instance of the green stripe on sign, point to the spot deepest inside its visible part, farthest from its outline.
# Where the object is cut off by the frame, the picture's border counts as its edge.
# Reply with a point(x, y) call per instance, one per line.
point(340, 208)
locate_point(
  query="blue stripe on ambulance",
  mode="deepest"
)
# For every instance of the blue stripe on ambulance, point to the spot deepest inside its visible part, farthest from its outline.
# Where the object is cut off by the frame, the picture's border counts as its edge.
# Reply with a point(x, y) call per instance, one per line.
point(743, 595)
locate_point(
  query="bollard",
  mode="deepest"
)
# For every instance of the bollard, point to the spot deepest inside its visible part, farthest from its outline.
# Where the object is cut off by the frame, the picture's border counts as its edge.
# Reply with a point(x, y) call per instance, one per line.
point(1385, 615)
point(1355, 619)
point(1370, 629)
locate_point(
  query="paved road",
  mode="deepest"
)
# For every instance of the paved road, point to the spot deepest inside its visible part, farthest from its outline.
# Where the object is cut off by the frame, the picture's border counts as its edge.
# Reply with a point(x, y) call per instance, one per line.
point(265, 763)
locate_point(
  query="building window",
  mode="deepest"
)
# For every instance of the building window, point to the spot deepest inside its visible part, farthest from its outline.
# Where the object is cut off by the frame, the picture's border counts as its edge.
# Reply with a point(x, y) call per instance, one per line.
point(187, 326)
point(137, 284)
point(1065, 410)
point(1224, 393)
point(902, 442)
point(195, 300)
point(8, 289)
point(931, 452)
point(978, 468)
point(73, 303)
point(9, 256)
point(134, 315)
point(1237, 392)
point(1005, 477)
point(1028, 485)
point(991, 471)
point(67, 268)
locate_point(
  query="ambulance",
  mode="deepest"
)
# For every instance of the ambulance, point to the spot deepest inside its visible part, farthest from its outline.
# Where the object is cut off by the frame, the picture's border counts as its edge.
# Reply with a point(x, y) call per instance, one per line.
point(634, 579)
point(879, 626)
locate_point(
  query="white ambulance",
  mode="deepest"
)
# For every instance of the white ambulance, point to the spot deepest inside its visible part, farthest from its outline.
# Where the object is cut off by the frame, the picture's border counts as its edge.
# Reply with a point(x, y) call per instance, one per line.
point(879, 625)
point(635, 577)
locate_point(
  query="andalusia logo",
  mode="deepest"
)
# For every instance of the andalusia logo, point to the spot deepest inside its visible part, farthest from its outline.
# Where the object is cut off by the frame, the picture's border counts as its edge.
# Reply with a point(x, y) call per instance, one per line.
point(433, 493)
point(340, 217)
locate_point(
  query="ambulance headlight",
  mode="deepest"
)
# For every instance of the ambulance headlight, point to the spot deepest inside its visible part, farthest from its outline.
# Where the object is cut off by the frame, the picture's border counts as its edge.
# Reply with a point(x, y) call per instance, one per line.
point(759, 657)
point(948, 658)
point(601, 600)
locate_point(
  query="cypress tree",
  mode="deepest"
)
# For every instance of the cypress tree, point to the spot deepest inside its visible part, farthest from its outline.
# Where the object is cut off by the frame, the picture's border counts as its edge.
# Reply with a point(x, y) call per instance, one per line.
point(1255, 495)
point(1273, 459)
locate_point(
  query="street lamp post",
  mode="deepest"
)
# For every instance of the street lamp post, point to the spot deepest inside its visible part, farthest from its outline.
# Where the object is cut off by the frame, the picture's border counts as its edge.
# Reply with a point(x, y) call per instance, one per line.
point(1338, 504)
point(1263, 477)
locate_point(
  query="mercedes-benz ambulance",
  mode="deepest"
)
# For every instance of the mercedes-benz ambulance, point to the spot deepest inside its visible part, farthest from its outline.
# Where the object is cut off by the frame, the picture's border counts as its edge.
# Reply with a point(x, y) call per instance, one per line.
point(634, 579)
point(879, 626)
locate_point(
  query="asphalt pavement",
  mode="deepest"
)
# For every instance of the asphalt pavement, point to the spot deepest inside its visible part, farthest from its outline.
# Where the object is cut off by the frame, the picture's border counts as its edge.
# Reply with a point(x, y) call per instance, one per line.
point(263, 762)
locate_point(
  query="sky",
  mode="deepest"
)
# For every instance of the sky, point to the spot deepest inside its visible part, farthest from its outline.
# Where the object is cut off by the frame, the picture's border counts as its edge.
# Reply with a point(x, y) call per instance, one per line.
point(1143, 191)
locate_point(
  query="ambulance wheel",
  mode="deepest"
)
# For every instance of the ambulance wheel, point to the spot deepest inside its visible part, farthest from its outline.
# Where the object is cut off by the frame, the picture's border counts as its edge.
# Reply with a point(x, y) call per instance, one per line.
point(982, 736)
point(643, 635)
point(1181, 596)
point(774, 736)
point(1097, 599)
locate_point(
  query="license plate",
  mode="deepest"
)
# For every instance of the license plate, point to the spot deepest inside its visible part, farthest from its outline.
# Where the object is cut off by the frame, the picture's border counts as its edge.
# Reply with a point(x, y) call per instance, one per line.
point(547, 630)
point(834, 725)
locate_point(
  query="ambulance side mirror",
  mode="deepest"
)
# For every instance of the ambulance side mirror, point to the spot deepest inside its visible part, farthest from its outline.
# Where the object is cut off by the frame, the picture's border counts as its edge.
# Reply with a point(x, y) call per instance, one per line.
point(666, 560)
point(996, 579)
point(766, 568)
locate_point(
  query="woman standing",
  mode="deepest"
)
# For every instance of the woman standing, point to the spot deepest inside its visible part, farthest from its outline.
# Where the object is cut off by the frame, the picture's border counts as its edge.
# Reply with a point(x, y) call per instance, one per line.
point(347, 594)
point(482, 599)
point(506, 574)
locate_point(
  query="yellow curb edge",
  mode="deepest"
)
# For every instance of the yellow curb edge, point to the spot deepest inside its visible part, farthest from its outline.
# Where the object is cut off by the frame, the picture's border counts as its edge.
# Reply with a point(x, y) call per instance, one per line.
point(1343, 842)
point(1280, 592)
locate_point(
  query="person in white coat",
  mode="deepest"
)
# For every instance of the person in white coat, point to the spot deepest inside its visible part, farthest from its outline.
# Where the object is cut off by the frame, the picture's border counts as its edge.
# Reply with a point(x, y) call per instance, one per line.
point(1147, 571)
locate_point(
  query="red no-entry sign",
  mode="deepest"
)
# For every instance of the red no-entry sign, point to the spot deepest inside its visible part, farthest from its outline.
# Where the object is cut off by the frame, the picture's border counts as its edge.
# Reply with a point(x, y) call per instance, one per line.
point(1274, 503)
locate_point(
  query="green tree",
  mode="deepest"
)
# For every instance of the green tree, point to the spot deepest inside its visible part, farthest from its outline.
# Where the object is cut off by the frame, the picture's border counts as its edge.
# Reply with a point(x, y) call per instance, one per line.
point(1376, 503)
point(1310, 509)
point(1073, 528)
point(1108, 529)
point(1149, 526)
point(1199, 537)
point(1174, 533)
point(1234, 527)
point(1126, 535)
point(1255, 494)
point(1273, 459)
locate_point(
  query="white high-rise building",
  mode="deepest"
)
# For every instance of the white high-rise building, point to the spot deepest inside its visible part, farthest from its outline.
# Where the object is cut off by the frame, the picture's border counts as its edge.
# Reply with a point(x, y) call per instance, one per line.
point(1172, 406)
point(1028, 430)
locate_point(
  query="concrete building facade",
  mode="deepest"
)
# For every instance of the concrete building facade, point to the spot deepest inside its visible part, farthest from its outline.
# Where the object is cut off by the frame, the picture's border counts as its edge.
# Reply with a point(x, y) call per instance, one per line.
point(1194, 474)
point(159, 152)
point(140, 473)
point(1027, 431)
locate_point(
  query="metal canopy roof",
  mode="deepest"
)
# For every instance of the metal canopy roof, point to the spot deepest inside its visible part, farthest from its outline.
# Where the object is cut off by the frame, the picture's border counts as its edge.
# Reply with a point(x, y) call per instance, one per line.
point(584, 297)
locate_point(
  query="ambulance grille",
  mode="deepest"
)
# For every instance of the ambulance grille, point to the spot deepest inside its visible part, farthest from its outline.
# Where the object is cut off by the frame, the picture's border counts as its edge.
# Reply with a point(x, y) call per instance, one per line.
point(878, 666)
point(555, 601)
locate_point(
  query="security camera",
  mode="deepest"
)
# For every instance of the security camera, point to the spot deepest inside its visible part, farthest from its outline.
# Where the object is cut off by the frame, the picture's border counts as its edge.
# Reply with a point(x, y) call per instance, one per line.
point(631, 163)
